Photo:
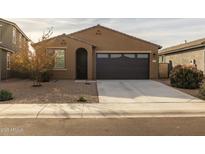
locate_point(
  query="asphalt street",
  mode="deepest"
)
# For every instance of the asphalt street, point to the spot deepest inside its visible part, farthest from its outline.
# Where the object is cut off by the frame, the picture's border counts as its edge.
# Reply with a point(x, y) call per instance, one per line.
point(165, 126)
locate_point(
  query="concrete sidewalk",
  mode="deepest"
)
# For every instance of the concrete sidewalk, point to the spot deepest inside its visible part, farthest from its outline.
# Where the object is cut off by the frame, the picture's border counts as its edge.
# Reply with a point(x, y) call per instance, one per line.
point(97, 110)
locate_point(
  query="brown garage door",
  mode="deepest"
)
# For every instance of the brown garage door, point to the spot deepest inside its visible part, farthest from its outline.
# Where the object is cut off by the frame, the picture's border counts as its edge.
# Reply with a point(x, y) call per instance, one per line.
point(122, 66)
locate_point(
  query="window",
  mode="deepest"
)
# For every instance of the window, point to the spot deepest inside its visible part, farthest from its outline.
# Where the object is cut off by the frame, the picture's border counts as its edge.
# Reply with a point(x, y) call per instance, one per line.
point(129, 55)
point(14, 36)
point(102, 55)
point(20, 40)
point(59, 59)
point(8, 61)
point(0, 33)
point(144, 56)
point(115, 55)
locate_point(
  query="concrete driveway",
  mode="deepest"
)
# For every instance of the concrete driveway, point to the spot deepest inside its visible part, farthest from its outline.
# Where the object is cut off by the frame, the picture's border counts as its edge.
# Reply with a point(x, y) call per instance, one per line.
point(140, 91)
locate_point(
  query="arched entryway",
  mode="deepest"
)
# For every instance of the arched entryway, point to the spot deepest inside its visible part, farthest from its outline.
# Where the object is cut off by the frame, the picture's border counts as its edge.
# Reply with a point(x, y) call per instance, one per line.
point(81, 64)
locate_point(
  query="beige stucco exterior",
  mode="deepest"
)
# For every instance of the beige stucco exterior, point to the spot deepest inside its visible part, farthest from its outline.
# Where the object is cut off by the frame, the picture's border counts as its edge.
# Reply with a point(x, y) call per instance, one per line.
point(101, 40)
point(185, 58)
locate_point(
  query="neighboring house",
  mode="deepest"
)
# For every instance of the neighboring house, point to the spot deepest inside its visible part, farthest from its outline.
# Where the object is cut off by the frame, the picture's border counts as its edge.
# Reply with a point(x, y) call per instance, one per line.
point(185, 54)
point(102, 53)
point(12, 39)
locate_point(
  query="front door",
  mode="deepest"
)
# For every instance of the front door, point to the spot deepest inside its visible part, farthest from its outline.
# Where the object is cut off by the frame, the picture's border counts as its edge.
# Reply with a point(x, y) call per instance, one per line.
point(81, 64)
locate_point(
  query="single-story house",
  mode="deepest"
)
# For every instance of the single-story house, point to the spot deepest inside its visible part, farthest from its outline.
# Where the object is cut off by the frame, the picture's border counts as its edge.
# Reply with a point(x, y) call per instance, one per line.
point(185, 54)
point(12, 39)
point(102, 53)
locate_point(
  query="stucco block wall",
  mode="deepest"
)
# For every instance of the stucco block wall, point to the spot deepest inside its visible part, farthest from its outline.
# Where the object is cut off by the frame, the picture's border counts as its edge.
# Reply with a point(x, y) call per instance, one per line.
point(108, 40)
point(184, 58)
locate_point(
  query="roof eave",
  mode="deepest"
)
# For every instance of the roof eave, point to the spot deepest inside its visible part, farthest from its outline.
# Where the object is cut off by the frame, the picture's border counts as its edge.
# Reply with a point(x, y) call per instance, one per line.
point(180, 50)
point(133, 37)
point(16, 26)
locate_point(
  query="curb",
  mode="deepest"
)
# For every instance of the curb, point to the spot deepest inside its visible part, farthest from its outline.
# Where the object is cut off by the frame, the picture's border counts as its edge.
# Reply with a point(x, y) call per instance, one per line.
point(104, 116)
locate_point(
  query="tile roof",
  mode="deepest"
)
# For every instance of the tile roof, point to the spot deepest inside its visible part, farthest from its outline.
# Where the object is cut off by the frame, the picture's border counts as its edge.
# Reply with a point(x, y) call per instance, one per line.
point(183, 47)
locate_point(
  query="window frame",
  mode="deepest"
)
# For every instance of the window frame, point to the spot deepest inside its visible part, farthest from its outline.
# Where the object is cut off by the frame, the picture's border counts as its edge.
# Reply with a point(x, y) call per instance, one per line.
point(107, 55)
point(14, 33)
point(1, 37)
point(20, 40)
point(8, 61)
point(54, 51)
point(126, 55)
point(120, 55)
point(142, 57)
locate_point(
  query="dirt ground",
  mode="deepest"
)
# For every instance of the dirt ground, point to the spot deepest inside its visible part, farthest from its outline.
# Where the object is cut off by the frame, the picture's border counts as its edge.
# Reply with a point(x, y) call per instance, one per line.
point(62, 91)
point(193, 92)
point(168, 126)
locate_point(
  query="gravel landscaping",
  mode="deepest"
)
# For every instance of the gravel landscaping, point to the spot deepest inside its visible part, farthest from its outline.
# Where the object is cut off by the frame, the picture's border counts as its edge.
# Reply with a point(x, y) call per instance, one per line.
point(62, 91)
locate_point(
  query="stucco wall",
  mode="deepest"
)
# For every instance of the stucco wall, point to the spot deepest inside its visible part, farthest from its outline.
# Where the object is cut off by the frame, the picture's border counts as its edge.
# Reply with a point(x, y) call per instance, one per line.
point(184, 58)
point(70, 46)
point(108, 40)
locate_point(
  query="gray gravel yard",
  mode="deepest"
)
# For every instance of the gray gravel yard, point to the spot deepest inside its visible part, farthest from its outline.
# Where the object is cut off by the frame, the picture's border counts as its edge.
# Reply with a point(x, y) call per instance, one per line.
point(62, 91)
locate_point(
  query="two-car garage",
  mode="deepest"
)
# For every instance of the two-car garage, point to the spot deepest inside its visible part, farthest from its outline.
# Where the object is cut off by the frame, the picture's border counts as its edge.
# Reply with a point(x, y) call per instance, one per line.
point(122, 66)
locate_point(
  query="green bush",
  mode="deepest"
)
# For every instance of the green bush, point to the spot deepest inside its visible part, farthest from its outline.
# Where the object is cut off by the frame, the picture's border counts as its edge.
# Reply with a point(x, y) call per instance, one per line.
point(186, 77)
point(5, 95)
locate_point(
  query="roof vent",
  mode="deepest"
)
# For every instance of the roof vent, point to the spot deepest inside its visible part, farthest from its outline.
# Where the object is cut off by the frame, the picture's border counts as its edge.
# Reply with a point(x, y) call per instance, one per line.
point(98, 32)
point(185, 41)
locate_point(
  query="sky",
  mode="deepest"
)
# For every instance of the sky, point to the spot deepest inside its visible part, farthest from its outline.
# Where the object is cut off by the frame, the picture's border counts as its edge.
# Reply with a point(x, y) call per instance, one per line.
point(163, 31)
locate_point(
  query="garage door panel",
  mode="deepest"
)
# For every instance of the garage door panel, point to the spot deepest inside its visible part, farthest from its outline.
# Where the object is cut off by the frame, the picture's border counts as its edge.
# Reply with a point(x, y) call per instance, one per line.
point(122, 67)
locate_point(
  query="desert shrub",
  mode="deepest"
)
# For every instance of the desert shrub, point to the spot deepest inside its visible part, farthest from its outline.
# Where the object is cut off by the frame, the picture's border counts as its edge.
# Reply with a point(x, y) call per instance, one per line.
point(186, 77)
point(5, 95)
point(82, 99)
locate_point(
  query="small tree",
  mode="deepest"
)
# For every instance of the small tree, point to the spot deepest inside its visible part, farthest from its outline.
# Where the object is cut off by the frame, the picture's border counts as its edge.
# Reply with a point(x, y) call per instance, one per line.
point(41, 62)
point(35, 63)
point(20, 62)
